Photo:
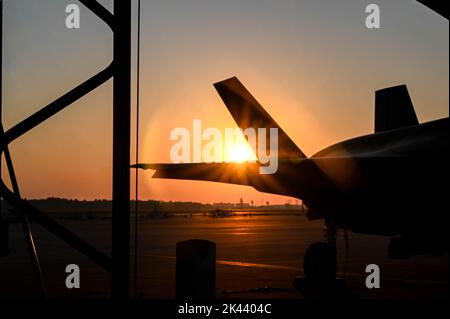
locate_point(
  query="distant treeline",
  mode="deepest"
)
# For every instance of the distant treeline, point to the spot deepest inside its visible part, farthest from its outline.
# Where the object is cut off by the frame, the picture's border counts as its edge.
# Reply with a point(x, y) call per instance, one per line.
point(63, 205)
point(102, 205)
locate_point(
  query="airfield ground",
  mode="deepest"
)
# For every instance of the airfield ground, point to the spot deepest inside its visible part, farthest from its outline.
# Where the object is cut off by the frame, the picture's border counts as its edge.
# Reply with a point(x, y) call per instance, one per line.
point(252, 252)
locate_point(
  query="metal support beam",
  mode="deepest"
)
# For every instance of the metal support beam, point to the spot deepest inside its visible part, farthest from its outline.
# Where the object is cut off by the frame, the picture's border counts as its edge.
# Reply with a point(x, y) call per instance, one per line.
point(1, 84)
point(121, 151)
point(120, 69)
point(34, 120)
point(29, 238)
point(26, 227)
point(1, 91)
point(101, 12)
point(54, 227)
point(56, 106)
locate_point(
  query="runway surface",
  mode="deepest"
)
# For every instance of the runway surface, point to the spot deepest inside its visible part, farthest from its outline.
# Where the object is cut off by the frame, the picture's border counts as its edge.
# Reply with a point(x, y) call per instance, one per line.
point(252, 252)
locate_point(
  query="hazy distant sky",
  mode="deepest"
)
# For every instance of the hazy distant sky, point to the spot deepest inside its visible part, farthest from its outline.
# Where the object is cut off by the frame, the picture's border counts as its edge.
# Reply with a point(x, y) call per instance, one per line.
point(312, 64)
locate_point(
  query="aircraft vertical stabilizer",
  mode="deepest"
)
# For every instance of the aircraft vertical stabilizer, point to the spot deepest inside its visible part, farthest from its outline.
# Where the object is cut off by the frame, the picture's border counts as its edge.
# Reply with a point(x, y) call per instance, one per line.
point(247, 112)
point(393, 109)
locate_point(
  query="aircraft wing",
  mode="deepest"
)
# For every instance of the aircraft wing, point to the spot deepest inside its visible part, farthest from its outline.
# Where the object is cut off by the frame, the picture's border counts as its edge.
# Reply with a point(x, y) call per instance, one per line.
point(300, 178)
point(232, 173)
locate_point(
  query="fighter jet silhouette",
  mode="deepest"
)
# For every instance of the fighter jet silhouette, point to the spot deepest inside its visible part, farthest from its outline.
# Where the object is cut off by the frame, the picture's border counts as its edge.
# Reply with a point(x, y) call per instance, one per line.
point(393, 182)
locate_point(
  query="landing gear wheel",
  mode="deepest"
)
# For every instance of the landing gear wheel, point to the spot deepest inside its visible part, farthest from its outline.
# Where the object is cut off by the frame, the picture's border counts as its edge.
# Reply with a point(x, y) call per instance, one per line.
point(320, 268)
point(320, 263)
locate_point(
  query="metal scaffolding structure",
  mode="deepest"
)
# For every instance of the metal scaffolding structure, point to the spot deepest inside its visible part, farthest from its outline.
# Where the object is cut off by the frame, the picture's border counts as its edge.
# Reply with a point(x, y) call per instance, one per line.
point(120, 70)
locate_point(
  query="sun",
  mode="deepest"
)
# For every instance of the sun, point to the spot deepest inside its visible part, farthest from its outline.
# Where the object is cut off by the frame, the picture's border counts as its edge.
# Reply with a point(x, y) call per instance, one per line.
point(239, 153)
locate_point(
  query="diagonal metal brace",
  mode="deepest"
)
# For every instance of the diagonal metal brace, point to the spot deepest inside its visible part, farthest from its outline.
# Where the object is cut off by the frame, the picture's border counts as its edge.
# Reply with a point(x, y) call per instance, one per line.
point(42, 115)
point(49, 224)
point(54, 107)
point(101, 12)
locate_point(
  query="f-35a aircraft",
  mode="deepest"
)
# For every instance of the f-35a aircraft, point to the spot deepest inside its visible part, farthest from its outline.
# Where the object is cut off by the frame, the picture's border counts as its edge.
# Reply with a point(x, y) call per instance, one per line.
point(394, 182)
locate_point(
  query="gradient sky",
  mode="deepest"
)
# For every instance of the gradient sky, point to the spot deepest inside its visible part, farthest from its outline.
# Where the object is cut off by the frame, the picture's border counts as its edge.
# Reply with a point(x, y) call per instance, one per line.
point(312, 64)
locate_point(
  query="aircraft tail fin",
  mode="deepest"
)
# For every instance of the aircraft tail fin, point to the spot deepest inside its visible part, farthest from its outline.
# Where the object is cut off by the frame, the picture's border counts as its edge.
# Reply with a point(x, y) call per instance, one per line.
point(247, 112)
point(394, 109)
point(439, 7)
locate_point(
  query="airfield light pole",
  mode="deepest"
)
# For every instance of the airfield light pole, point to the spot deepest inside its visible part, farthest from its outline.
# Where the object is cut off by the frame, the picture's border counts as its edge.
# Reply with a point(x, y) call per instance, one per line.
point(120, 279)
point(1, 83)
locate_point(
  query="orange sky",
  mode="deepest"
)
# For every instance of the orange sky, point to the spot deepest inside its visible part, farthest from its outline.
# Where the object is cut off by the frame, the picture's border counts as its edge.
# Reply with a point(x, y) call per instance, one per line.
point(314, 67)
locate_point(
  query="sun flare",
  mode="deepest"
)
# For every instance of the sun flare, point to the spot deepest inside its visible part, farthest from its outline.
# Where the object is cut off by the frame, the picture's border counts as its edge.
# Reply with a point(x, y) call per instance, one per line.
point(239, 153)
